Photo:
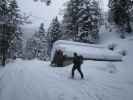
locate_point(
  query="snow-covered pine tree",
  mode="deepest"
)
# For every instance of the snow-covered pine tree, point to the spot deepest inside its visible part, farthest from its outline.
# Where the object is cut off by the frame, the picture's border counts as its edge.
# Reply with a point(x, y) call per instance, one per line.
point(89, 21)
point(3, 8)
point(81, 20)
point(54, 33)
point(16, 45)
point(36, 47)
point(16, 42)
point(4, 36)
point(30, 49)
point(120, 12)
point(70, 18)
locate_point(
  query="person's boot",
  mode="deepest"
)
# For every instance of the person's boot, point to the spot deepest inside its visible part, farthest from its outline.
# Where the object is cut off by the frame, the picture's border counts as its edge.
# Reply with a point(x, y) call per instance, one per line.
point(82, 76)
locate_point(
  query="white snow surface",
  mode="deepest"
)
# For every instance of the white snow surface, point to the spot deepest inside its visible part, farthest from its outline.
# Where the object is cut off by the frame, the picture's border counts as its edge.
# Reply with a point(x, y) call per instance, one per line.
point(89, 51)
point(37, 80)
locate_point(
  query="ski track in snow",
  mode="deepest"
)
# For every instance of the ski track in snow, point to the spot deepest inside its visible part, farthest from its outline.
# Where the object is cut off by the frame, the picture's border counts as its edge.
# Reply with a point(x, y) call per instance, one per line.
point(21, 81)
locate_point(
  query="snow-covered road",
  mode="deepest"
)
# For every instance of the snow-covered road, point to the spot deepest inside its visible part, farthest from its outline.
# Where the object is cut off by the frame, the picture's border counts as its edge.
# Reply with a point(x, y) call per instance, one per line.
point(36, 80)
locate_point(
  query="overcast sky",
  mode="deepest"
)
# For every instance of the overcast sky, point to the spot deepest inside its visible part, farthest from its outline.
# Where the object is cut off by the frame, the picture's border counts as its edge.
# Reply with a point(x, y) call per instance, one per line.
point(41, 13)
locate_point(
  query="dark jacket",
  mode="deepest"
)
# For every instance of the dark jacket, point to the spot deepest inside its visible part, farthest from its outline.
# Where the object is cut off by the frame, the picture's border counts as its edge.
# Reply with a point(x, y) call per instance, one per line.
point(77, 61)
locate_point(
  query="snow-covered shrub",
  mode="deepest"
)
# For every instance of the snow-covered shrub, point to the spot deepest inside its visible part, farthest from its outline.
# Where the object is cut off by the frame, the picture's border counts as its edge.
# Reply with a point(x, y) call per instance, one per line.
point(122, 36)
point(112, 46)
point(123, 52)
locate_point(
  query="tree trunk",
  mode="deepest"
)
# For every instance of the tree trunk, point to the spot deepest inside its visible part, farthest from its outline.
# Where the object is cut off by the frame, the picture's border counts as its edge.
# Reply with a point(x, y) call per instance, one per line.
point(129, 29)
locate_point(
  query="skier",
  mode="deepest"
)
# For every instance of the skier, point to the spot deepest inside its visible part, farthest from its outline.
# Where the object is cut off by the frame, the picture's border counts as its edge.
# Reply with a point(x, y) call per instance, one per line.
point(77, 61)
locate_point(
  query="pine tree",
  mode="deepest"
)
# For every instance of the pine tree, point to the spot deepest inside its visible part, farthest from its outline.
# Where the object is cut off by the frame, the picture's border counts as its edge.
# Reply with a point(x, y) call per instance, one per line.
point(89, 22)
point(81, 20)
point(71, 17)
point(120, 12)
point(30, 49)
point(54, 33)
point(4, 30)
point(16, 42)
point(36, 47)
point(3, 8)
point(16, 45)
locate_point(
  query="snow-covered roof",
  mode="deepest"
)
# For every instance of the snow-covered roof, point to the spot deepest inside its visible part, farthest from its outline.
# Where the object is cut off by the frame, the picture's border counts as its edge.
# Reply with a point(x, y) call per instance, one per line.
point(88, 51)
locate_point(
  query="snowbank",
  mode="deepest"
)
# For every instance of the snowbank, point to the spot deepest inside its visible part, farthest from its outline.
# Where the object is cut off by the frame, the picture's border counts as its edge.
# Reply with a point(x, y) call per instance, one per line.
point(88, 51)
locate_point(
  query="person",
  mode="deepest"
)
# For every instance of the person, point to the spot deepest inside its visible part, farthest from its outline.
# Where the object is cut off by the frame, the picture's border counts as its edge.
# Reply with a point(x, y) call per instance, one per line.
point(77, 62)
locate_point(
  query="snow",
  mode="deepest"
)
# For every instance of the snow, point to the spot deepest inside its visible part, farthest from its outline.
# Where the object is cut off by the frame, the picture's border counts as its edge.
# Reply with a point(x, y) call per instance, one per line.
point(86, 50)
point(37, 80)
